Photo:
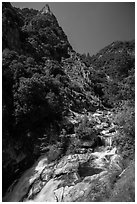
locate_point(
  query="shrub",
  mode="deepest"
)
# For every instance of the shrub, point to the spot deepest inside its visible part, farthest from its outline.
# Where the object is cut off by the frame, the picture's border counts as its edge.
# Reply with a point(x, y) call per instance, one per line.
point(54, 153)
point(85, 130)
point(125, 119)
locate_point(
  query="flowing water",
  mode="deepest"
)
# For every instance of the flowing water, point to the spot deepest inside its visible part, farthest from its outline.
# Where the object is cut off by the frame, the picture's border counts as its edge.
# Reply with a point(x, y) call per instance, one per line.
point(40, 181)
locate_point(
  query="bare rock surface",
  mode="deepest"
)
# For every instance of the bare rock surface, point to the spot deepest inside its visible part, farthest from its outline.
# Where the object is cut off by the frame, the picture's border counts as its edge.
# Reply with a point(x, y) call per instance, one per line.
point(78, 177)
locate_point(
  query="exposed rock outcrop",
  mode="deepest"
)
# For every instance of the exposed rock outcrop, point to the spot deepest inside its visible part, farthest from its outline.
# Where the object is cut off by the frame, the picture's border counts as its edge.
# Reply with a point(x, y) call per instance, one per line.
point(46, 9)
point(69, 180)
point(74, 177)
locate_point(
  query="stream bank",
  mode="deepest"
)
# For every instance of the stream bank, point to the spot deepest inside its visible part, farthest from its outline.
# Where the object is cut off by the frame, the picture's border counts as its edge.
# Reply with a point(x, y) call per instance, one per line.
point(82, 176)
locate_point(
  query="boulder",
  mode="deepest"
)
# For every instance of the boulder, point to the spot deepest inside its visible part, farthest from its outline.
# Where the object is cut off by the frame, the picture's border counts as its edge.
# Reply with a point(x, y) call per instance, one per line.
point(47, 193)
point(89, 189)
point(59, 194)
point(75, 178)
point(72, 194)
point(116, 163)
point(46, 174)
point(67, 168)
point(81, 150)
point(30, 183)
point(36, 188)
point(101, 126)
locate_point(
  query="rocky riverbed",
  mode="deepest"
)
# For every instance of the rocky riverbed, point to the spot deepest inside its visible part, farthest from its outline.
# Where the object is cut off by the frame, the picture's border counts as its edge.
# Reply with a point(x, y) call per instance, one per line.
point(82, 176)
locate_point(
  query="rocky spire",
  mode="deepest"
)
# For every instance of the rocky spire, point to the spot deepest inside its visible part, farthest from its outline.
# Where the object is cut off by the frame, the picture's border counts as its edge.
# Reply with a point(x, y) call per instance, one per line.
point(46, 9)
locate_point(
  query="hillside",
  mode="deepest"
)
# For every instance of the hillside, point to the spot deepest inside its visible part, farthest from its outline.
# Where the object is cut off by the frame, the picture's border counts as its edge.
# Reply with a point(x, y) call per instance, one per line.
point(56, 104)
point(113, 72)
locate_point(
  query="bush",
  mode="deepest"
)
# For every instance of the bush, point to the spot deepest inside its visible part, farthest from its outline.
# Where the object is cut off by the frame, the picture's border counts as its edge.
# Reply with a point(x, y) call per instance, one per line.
point(125, 119)
point(85, 131)
point(54, 153)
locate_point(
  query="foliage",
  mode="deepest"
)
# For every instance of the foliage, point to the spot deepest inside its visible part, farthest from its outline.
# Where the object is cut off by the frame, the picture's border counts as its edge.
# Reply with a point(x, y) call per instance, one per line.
point(85, 130)
point(45, 37)
point(34, 34)
point(125, 119)
point(54, 153)
point(113, 73)
point(28, 13)
point(36, 91)
point(86, 59)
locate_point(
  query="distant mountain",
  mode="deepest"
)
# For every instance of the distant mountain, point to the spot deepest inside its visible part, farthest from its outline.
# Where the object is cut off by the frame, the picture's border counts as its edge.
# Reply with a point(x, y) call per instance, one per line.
point(112, 70)
point(116, 59)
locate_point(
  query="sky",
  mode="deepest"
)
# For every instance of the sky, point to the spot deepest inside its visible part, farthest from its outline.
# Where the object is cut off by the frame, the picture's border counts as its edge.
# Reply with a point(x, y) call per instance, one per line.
point(90, 26)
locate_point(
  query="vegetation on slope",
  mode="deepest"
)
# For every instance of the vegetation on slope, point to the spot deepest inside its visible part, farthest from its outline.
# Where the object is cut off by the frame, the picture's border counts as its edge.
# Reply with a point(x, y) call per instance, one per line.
point(43, 79)
point(37, 90)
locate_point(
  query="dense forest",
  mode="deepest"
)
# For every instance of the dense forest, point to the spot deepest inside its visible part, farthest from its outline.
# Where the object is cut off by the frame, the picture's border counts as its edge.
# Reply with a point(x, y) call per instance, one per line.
point(44, 80)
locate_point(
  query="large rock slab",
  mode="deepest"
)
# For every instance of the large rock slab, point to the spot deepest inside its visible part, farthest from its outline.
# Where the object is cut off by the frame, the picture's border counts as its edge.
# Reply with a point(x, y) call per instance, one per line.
point(76, 177)
point(47, 193)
